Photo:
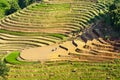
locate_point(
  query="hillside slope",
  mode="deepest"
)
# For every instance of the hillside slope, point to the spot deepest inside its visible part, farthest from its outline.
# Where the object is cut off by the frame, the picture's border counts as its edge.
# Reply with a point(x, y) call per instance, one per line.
point(67, 30)
point(34, 26)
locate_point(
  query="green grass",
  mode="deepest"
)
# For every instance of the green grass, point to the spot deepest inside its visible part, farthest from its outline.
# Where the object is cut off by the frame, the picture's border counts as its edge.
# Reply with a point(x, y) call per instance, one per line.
point(51, 7)
point(62, 70)
point(66, 70)
point(18, 33)
point(61, 36)
point(12, 58)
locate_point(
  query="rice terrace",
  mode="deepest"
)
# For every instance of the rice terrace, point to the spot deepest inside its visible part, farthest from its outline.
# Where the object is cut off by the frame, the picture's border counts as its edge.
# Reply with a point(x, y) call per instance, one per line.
point(60, 39)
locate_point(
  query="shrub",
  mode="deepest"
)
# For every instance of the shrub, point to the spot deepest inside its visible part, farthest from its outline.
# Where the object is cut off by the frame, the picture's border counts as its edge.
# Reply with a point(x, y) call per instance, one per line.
point(3, 70)
point(4, 5)
point(13, 7)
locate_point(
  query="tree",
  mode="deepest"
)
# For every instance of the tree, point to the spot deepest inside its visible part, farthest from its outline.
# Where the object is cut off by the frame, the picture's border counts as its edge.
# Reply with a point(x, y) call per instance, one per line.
point(106, 2)
point(23, 3)
point(10, 6)
point(113, 16)
point(31, 1)
point(3, 70)
point(114, 12)
point(13, 7)
point(4, 5)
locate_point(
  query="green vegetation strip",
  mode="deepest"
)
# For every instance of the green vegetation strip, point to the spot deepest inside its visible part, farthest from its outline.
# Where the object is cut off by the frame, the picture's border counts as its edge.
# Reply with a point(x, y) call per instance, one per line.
point(66, 70)
point(18, 33)
point(51, 7)
point(61, 36)
point(12, 58)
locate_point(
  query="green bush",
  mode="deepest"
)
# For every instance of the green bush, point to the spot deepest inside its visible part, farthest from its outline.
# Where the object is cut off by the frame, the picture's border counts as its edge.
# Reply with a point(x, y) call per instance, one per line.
point(13, 7)
point(4, 5)
point(10, 6)
point(25, 3)
point(114, 11)
point(3, 70)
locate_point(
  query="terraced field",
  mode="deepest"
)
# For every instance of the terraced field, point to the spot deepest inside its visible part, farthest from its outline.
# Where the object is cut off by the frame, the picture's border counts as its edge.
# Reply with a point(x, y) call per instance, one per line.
point(74, 26)
point(53, 18)
point(34, 26)
point(10, 42)
point(92, 46)
point(65, 71)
